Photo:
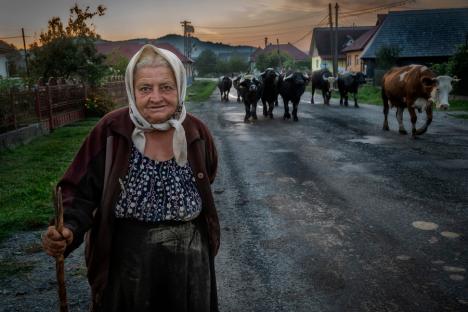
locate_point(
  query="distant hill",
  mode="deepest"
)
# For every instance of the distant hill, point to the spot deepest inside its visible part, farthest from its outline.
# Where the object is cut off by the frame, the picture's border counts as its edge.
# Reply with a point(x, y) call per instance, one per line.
point(223, 51)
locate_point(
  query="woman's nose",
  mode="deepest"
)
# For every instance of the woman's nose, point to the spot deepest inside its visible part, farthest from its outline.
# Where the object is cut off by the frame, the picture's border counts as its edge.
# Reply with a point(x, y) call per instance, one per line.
point(156, 95)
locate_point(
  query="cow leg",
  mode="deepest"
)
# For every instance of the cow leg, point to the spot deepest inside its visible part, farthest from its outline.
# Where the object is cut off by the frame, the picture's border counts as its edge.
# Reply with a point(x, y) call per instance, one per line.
point(414, 118)
point(286, 110)
point(294, 112)
point(399, 116)
point(247, 112)
point(265, 112)
point(355, 100)
point(385, 110)
point(346, 99)
point(271, 106)
point(341, 98)
point(312, 98)
point(428, 120)
point(325, 98)
point(253, 112)
point(276, 102)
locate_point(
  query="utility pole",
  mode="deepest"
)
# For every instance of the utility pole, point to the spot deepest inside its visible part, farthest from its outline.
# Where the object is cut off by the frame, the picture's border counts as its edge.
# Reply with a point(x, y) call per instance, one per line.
point(188, 30)
point(266, 42)
point(25, 53)
point(330, 18)
point(335, 60)
point(279, 56)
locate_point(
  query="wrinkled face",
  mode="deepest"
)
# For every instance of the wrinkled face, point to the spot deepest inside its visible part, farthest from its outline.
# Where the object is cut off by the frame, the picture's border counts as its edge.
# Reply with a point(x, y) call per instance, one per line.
point(441, 91)
point(155, 93)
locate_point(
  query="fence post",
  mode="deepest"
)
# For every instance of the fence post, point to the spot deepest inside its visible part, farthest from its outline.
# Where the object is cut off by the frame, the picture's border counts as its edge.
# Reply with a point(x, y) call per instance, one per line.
point(12, 101)
point(49, 107)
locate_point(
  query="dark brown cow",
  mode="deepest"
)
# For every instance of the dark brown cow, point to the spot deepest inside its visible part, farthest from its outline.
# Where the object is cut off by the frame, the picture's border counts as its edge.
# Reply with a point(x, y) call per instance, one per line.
point(414, 87)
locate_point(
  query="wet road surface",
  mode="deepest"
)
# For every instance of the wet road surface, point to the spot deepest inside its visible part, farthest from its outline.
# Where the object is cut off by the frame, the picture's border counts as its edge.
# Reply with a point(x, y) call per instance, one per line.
point(332, 214)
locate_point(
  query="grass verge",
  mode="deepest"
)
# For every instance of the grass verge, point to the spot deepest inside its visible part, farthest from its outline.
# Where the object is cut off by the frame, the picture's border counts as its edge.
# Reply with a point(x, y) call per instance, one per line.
point(200, 90)
point(29, 173)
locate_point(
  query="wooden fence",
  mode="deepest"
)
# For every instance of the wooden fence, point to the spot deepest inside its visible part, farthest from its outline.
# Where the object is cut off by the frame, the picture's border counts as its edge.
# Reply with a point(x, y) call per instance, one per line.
point(53, 104)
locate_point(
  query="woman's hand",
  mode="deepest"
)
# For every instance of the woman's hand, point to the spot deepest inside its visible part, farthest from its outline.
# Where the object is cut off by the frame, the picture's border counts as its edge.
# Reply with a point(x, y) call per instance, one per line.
point(54, 243)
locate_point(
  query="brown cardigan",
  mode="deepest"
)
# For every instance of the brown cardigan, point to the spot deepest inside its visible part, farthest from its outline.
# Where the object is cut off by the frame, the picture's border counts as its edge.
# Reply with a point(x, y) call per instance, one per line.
point(91, 188)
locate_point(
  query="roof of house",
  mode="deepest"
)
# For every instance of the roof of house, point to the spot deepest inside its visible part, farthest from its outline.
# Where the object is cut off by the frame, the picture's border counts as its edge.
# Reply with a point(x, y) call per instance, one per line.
point(361, 42)
point(421, 33)
point(129, 48)
point(5, 47)
point(346, 35)
point(288, 48)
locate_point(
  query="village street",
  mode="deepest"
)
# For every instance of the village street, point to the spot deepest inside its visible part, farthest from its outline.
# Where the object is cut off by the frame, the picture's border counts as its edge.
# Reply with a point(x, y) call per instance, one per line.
point(326, 214)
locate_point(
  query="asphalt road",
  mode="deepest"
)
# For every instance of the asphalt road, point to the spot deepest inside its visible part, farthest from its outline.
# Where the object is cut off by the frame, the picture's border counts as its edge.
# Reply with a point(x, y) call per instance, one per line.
point(332, 214)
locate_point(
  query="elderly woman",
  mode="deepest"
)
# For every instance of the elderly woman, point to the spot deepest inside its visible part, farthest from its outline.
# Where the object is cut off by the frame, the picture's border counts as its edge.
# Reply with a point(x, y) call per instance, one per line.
point(139, 193)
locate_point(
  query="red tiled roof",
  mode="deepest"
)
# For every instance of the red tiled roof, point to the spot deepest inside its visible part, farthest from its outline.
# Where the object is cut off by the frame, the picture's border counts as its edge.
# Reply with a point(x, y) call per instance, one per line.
point(362, 41)
point(129, 48)
point(288, 48)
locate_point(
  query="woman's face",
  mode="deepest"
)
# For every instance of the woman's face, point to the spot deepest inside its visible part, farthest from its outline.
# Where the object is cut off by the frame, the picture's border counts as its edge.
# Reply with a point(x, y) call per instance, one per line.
point(155, 93)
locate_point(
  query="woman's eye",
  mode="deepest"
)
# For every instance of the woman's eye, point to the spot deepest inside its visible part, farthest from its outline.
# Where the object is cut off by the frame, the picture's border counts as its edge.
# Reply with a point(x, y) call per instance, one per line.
point(145, 89)
point(167, 88)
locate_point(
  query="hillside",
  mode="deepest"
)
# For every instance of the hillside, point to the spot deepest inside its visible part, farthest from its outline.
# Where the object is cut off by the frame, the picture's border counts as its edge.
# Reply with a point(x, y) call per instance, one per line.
point(223, 51)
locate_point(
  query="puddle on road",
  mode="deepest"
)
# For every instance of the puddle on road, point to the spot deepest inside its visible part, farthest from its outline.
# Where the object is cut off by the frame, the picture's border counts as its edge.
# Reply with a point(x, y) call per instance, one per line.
point(452, 269)
point(286, 180)
point(370, 139)
point(456, 277)
point(449, 234)
point(403, 258)
point(280, 150)
point(425, 226)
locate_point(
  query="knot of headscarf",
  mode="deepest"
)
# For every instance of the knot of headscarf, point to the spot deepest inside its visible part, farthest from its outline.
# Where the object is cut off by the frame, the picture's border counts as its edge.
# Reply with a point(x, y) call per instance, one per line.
point(179, 140)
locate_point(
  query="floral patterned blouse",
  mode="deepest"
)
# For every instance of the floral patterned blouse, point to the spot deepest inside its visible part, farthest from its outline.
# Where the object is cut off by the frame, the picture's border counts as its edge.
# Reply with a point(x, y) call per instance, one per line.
point(155, 191)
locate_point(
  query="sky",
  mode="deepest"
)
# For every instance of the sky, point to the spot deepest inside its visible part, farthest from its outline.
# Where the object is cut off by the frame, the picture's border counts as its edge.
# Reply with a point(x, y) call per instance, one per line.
point(228, 21)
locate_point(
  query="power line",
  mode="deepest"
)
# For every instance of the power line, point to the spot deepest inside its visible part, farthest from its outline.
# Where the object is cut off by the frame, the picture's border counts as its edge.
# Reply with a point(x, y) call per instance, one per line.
point(258, 25)
point(375, 9)
point(13, 37)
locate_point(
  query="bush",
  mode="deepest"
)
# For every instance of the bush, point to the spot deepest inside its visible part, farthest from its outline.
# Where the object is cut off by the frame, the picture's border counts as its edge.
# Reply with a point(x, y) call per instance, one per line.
point(97, 105)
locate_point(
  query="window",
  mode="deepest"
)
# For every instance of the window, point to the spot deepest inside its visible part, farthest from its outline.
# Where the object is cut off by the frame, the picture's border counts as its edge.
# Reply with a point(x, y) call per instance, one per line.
point(356, 60)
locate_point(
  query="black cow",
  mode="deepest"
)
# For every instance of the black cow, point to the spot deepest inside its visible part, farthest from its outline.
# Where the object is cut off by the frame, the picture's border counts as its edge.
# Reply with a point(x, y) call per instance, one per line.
point(250, 90)
point(323, 80)
point(291, 88)
point(350, 82)
point(224, 85)
point(235, 83)
point(270, 91)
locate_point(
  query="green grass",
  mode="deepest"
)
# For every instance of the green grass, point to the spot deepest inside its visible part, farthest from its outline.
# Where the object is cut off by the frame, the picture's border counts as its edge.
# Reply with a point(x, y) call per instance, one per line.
point(29, 173)
point(200, 90)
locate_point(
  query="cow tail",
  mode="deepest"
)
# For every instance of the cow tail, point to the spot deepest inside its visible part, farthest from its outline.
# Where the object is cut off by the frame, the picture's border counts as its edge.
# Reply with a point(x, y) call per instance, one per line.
point(384, 100)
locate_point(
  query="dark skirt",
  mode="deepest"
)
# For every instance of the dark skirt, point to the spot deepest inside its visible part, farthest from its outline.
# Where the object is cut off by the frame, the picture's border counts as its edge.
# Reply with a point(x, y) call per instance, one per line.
point(159, 267)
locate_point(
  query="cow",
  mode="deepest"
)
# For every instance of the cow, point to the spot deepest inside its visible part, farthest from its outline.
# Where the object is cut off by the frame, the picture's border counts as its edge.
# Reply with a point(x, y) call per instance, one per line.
point(322, 79)
point(250, 89)
point(270, 91)
point(414, 87)
point(235, 84)
point(224, 85)
point(291, 88)
point(349, 83)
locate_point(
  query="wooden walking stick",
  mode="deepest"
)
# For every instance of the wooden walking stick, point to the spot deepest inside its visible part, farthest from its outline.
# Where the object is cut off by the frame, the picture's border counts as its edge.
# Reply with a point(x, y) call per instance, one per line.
point(59, 260)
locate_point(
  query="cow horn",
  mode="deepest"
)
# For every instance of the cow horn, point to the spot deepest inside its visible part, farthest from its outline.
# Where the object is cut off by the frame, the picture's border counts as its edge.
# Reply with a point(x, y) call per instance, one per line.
point(455, 78)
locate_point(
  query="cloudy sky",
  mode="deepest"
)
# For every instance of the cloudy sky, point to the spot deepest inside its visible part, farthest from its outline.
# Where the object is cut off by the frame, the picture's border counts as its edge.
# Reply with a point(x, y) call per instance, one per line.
point(229, 21)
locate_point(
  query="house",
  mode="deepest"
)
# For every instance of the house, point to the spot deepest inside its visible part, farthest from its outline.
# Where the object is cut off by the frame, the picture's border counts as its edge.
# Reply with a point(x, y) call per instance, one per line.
point(353, 52)
point(321, 45)
point(423, 36)
point(130, 47)
point(5, 52)
point(290, 49)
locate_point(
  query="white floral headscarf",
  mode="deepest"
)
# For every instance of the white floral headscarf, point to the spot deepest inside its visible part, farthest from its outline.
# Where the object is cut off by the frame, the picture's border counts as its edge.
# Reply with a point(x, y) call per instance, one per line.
point(141, 124)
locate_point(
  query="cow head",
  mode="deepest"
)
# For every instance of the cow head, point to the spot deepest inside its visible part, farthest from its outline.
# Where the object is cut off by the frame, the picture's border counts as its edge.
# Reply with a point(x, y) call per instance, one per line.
point(269, 75)
point(440, 87)
point(359, 77)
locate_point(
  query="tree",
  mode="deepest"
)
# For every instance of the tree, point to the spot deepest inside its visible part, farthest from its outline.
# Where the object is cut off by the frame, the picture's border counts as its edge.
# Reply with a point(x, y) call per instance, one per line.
point(458, 65)
point(69, 51)
point(237, 64)
point(117, 62)
point(206, 63)
point(387, 56)
point(273, 60)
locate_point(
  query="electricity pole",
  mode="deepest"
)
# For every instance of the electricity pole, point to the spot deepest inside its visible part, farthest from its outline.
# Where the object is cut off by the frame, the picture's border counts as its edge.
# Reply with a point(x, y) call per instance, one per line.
point(330, 19)
point(279, 56)
point(335, 54)
point(188, 30)
point(25, 54)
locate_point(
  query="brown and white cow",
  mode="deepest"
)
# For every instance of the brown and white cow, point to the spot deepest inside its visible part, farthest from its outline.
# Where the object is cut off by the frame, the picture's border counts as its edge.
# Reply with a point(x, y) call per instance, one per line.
point(414, 87)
